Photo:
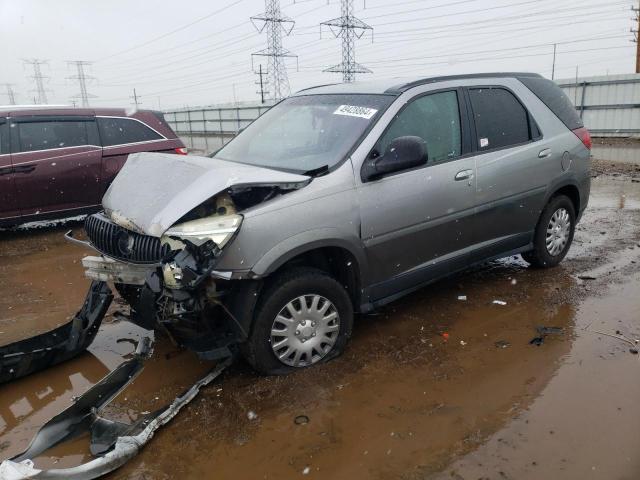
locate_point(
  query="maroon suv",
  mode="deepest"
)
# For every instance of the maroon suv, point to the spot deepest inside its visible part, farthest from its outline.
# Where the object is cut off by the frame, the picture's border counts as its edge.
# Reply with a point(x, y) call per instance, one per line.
point(57, 162)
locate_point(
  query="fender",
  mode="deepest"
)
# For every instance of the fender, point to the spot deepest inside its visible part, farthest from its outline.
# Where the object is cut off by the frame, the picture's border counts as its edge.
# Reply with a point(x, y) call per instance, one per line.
point(311, 240)
point(565, 181)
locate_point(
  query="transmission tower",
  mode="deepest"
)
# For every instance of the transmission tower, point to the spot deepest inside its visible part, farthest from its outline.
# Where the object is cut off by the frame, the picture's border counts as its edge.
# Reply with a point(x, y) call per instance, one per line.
point(349, 28)
point(275, 24)
point(38, 78)
point(81, 77)
point(10, 93)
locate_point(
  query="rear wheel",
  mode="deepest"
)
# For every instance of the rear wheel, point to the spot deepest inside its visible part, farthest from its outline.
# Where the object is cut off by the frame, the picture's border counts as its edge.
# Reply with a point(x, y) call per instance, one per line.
point(305, 317)
point(554, 233)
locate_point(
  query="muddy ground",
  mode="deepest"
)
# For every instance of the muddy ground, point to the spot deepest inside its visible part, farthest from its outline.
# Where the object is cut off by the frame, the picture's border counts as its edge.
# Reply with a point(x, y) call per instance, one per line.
point(403, 401)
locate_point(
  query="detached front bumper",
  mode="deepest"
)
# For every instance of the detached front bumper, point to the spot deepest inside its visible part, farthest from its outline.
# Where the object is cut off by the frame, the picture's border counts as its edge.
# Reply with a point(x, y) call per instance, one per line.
point(37, 353)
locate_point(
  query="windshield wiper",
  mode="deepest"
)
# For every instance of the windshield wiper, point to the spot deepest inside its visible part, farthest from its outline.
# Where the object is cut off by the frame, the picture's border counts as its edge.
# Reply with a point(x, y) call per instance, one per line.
point(317, 172)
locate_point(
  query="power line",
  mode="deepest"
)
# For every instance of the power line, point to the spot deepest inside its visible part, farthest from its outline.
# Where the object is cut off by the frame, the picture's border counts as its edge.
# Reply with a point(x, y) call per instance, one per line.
point(179, 29)
point(349, 28)
point(38, 78)
point(81, 77)
point(275, 24)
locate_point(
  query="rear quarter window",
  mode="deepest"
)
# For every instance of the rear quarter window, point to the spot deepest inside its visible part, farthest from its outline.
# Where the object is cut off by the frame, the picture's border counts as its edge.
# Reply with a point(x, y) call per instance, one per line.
point(555, 99)
point(120, 131)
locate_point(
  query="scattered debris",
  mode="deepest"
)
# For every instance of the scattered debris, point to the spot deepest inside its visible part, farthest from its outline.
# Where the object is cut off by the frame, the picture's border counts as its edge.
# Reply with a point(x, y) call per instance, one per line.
point(499, 302)
point(514, 281)
point(587, 277)
point(502, 344)
point(543, 332)
point(112, 443)
point(306, 471)
point(462, 297)
point(301, 420)
point(463, 343)
point(621, 337)
point(445, 335)
point(251, 415)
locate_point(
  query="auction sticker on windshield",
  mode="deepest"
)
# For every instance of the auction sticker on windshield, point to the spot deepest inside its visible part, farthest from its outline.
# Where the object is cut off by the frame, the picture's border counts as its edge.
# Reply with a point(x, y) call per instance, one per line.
point(355, 111)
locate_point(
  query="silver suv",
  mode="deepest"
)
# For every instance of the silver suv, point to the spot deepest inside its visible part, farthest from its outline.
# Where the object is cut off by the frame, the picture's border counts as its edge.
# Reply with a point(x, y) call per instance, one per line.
point(336, 201)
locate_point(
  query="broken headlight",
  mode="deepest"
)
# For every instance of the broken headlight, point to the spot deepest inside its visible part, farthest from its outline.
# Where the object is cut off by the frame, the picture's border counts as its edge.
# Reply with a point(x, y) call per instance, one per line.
point(219, 229)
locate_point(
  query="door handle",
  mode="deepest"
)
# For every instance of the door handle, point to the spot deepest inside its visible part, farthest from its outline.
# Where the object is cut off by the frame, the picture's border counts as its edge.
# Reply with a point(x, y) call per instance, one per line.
point(464, 175)
point(544, 153)
point(6, 170)
point(24, 169)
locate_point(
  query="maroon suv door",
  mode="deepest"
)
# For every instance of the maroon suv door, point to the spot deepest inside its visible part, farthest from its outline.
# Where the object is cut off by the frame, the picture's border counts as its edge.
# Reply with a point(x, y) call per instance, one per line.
point(9, 207)
point(56, 163)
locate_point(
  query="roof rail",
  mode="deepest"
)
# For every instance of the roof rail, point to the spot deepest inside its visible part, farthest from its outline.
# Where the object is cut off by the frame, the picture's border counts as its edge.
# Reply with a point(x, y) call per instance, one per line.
point(406, 86)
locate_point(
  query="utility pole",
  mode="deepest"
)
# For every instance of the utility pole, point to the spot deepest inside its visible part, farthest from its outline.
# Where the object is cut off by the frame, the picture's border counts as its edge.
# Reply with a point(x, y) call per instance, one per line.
point(349, 28)
point(38, 78)
point(10, 93)
point(81, 78)
point(260, 82)
point(553, 67)
point(275, 24)
point(635, 32)
point(136, 99)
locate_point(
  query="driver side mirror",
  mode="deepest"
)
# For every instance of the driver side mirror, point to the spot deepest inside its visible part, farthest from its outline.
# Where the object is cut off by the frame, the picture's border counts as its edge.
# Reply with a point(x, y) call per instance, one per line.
point(402, 153)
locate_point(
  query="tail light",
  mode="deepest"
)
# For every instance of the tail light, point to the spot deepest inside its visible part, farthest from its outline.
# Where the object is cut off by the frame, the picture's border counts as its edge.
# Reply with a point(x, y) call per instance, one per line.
point(584, 136)
point(181, 151)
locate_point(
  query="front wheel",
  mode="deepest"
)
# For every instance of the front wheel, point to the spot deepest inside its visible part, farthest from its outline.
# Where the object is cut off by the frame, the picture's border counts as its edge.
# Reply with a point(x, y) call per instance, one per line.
point(554, 233)
point(305, 317)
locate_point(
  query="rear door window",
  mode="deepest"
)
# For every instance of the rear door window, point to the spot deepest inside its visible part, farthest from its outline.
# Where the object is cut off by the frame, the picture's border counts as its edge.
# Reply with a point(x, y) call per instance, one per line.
point(436, 119)
point(120, 131)
point(501, 120)
point(46, 135)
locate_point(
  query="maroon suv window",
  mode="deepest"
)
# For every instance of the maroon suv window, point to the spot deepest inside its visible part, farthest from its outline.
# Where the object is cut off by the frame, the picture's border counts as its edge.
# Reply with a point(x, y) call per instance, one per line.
point(51, 134)
point(119, 131)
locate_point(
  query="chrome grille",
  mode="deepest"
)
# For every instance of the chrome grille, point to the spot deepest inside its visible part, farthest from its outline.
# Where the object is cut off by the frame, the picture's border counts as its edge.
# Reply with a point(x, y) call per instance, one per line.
point(122, 244)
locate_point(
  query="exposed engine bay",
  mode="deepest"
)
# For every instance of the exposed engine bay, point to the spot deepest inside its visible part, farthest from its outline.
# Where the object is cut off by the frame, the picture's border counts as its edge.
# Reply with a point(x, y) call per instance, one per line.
point(170, 283)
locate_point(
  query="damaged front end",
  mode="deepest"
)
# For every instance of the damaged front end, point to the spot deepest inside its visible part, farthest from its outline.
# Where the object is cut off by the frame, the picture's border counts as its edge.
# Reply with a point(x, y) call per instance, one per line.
point(162, 260)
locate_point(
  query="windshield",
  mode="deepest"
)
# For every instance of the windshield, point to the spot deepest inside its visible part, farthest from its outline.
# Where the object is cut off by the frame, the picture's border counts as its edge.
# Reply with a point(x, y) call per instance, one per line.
point(305, 133)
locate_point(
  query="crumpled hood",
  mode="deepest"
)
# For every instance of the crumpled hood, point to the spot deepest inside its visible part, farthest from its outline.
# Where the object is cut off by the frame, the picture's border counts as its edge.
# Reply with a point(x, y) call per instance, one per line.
point(154, 190)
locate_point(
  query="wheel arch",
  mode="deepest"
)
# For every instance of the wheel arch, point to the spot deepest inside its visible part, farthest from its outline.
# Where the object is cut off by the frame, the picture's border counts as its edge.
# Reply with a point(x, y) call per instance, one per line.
point(340, 257)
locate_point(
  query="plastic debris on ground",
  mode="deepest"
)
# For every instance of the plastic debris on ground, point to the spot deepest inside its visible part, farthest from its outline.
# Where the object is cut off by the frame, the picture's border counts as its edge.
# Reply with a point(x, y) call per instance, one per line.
point(499, 302)
point(543, 332)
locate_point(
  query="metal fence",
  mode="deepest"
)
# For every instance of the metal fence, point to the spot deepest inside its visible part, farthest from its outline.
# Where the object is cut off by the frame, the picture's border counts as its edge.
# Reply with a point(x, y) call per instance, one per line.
point(207, 129)
point(609, 106)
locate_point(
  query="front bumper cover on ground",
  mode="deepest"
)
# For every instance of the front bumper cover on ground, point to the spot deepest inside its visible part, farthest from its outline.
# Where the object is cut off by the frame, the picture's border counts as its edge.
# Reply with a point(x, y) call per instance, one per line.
point(37, 353)
point(112, 443)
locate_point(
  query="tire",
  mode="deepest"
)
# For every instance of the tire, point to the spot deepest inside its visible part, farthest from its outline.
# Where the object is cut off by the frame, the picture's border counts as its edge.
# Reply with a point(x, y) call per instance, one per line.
point(560, 209)
point(291, 288)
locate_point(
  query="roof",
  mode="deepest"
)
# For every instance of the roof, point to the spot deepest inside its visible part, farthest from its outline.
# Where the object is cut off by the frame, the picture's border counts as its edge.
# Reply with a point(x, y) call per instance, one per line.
point(55, 110)
point(395, 86)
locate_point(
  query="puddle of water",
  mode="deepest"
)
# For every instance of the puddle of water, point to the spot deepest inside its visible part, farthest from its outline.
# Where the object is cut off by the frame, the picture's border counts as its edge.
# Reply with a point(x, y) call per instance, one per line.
point(585, 423)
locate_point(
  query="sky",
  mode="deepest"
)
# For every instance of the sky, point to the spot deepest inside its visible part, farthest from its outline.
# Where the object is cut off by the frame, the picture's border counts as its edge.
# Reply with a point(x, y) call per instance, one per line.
point(198, 52)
